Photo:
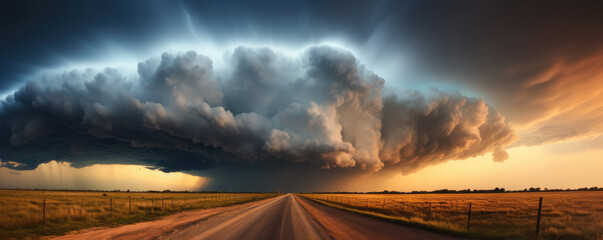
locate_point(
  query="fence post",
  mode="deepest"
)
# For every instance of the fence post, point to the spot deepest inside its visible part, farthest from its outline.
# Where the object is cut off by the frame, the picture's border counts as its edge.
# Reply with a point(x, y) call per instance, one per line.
point(383, 206)
point(82, 206)
point(162, 205)
point(44, 210)
point(469, 217)
point(538, 220)
point(172, 202)
point(111, 205)
point(130, 201)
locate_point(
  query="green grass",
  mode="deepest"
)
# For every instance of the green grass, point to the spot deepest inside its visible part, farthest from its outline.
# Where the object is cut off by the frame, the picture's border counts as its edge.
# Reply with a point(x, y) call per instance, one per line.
point(21, 214)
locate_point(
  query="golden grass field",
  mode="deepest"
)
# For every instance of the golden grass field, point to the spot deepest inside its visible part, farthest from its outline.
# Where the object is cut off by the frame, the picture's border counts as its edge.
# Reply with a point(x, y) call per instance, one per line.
point(21, 211)
point(565, 215)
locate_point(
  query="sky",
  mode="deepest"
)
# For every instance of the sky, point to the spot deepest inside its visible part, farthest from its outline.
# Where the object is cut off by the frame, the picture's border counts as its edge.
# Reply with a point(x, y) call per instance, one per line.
point(301, 96)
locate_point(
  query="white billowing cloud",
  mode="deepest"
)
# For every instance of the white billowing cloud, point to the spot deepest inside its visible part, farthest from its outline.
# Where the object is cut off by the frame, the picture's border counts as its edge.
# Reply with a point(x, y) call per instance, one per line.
point(418, 132)
point(323, 107)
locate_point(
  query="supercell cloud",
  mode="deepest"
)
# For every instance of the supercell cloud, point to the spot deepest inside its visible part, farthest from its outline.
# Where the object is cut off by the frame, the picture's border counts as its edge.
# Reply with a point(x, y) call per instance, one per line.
point(321, 108)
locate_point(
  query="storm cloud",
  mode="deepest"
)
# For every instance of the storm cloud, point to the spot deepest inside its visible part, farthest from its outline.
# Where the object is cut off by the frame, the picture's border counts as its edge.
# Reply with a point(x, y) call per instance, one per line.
point(321, 108)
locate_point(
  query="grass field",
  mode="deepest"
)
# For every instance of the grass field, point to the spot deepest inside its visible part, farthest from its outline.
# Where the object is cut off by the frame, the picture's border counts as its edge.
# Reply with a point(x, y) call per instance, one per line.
point(565, 215)
point(24, 214)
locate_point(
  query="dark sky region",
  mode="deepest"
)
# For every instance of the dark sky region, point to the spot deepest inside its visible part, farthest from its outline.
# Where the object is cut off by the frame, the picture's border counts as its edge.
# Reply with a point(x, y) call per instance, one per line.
point(298, 96)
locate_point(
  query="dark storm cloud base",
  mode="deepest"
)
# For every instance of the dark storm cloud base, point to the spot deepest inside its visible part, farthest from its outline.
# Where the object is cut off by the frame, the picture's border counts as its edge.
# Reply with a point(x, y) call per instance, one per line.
point(263, 109)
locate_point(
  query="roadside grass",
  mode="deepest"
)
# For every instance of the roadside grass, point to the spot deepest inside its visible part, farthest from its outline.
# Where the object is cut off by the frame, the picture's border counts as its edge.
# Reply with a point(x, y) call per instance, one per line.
point(22, 211)
point(413, 222)
point(565, 215)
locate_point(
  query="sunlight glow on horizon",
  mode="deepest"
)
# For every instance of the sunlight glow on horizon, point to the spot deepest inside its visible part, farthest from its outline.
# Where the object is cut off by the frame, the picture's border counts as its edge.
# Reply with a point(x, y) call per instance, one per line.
point(61, 175)
point(540, 166)
point(537, 166)
point(527, 167)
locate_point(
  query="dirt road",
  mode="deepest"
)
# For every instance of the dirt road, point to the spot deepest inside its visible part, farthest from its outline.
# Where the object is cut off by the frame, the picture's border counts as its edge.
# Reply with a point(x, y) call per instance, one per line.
point(284, 217)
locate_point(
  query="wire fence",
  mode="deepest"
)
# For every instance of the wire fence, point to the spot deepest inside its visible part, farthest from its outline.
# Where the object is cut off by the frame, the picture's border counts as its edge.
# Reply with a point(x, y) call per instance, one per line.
point(521, 218)
point(18, 212)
